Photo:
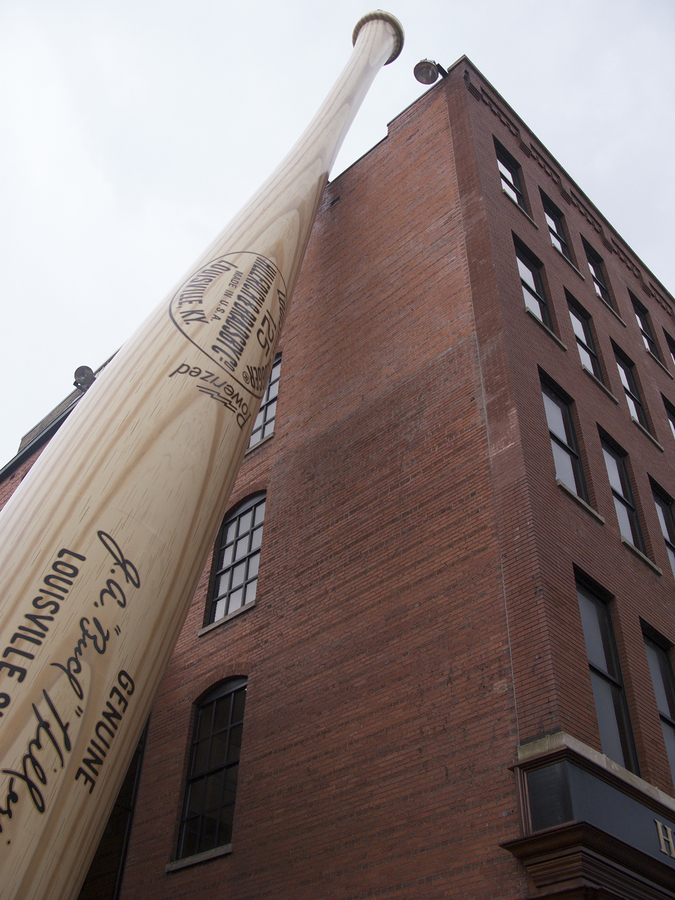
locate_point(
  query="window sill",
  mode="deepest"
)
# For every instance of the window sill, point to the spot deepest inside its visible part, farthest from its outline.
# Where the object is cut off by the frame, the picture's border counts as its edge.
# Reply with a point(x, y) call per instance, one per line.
point(600, 384)
point(657, 360)
point(546, 328)
point(227, 618)
point(518, 206)
point(198, 858)
point(612, 310)
point(641, 555)
point(568, 261)
point(259, 444)
point(582, 503)
point(647, 434)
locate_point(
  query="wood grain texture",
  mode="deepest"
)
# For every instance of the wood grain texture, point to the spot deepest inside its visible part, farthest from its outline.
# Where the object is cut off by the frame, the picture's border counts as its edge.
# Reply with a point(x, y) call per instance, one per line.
point(102, 545)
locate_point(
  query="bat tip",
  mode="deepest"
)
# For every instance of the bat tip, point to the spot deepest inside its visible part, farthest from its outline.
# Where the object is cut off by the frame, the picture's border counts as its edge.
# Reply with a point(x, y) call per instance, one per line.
point(385, 17)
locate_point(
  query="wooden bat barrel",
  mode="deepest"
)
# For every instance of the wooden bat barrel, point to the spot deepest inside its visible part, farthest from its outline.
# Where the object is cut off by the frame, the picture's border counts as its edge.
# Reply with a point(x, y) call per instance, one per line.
point(102, 545)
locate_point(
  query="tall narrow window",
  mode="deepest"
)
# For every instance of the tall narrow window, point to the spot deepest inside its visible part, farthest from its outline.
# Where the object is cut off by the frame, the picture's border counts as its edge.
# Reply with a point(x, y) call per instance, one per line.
point(556, 227)
point(616, 737)
point(630, 387)
point(642, 317)
point(510, 174)
point(213, 772)
point(237, 559)
point(568, 467)
point(670, 412)
point(597, 267)
point(533, 287)
point(664, 688)
point(671, 346)
point(664, 510)
point(581, 323)
point(264, 423)
point(624, 504)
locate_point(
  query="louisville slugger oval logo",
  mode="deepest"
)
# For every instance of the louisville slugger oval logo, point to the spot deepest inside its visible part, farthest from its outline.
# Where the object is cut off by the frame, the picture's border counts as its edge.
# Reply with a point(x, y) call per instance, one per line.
point(232, 310)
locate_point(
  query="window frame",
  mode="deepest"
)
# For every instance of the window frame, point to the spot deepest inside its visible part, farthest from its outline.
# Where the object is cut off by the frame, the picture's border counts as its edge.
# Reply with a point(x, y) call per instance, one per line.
point(598, 272)
point(670, 343)
point(535, 291)
point(228, 688)
point(660, 665)
point(555, 221)
point(608, 674)
point(644, 324)
point(569, 444)
point(268, 407)
point(631, 389)
point(664, 511)
point(670, 413)
point(624, 499)
point(510, 176)
point(587, 344)
point(221, 569)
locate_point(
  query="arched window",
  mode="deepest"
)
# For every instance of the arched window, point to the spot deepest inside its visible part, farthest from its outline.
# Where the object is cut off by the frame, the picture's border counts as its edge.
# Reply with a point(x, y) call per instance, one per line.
point(237, 558)
point(211, 786)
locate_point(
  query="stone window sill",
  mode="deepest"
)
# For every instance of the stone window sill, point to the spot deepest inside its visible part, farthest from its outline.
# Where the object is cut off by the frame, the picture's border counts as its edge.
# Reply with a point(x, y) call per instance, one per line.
point(546, 328)
point(640, 554)
point(647, 434)
point(599, 384)
point(577, 499)
point(198, 858)
point(225, 619)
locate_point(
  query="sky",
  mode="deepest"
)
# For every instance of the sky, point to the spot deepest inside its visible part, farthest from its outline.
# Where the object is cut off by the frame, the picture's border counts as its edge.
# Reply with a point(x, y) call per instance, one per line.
point(131, 132)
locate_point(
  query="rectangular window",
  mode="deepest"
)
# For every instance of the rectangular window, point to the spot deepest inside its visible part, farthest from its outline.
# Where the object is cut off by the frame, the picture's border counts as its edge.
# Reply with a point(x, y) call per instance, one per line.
point(670, 412)
point(671, 346)
point(581, 323)
point(568, 467)
point(556, 227)
point(664, 689)
point(534, 296)
point(664, 510)
point(616, 738)
point(597, 267)
point(510, 174)
point(624, 503)
point(642, 317)
point(630, 387)
point(264, 423)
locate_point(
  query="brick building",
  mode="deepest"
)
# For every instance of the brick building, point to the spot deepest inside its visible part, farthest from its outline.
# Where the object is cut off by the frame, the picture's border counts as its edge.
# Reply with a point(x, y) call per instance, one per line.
point(431, 655)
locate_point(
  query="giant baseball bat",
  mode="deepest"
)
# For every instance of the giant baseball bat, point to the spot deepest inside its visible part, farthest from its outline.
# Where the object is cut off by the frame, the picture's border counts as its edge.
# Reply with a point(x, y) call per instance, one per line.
point(103, 544)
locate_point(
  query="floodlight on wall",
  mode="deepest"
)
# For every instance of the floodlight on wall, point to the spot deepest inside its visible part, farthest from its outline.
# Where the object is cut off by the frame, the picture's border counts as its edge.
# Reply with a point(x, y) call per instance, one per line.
point(427, 71)
point(84, 378)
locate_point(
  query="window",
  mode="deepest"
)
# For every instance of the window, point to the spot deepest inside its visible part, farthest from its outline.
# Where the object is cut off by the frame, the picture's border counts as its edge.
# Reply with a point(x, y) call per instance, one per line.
point(581, 323)
point(264, 423)
point(597, 267)
point(616, 738)
point(211, 786)
point(237, 558)
point(664, 510)
point(642, 317)
point(630, 387)
point(509, 172)
point(568, 468)
point(556, 227)
point(664, 689)
point(670, 412)
point(671, 346)
point(533, 287)
point(624, 504)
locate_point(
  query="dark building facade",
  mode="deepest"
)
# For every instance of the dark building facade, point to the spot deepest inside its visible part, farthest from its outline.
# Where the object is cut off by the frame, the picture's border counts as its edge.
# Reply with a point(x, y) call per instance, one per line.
point(431, 655)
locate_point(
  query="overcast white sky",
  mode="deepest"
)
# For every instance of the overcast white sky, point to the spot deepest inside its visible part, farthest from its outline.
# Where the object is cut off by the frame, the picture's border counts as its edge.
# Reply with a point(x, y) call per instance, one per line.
point(131, 131)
